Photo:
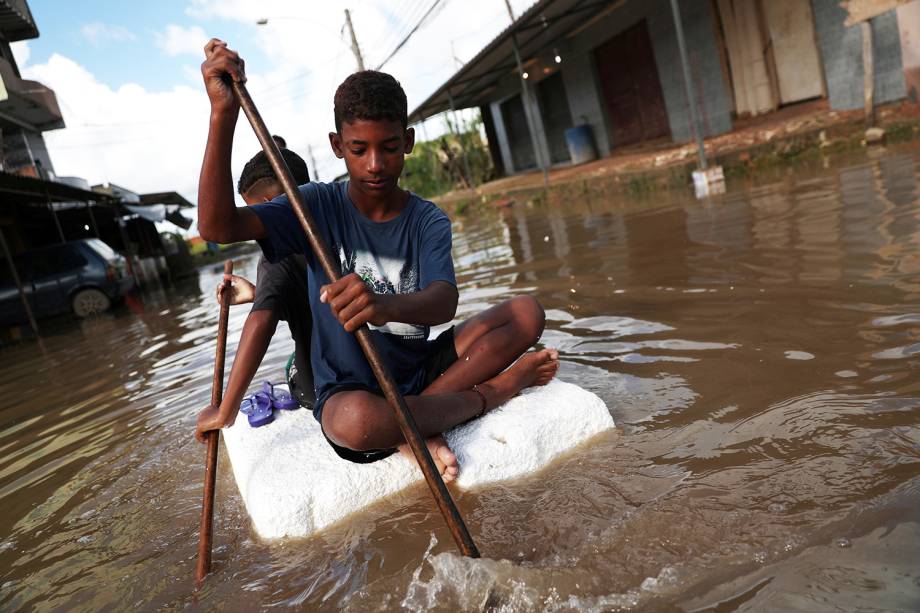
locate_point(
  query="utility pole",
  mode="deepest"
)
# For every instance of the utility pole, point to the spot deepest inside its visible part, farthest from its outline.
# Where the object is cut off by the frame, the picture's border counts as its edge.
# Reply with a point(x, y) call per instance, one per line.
point(313, 162)
point(354, 40)
point(526, 102)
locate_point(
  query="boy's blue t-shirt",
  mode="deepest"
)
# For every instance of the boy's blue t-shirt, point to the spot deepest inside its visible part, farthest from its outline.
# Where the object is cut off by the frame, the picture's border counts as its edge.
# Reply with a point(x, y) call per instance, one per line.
point(400, 256)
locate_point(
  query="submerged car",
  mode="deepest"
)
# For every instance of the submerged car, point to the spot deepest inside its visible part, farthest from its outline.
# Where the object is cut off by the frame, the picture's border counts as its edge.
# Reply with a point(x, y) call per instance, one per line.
point(83, 276)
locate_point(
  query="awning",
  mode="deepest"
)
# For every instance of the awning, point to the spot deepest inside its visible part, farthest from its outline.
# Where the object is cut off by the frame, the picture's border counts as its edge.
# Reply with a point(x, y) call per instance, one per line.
point(166, 198)
point(161, 212)
point(16, 20)
point(27, 104)
point(20, 189)
point(543, 28)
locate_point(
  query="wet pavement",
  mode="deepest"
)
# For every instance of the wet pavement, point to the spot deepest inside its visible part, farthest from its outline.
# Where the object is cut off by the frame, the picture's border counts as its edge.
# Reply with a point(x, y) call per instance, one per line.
point(758, 352)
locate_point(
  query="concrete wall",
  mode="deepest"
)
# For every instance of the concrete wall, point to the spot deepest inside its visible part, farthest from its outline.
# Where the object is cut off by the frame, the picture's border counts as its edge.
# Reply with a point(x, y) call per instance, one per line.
point(841, 52)
point(581, 82)
point(501, 134)
point(585, 97)
point(909, 27)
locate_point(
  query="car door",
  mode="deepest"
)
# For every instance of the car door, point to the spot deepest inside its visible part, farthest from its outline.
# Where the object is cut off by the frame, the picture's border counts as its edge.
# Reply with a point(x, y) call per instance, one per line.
point(11, 310)
point(55, 272)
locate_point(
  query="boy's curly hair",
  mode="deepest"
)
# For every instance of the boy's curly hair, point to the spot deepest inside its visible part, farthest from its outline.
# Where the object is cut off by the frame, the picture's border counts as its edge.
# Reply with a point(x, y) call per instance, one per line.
point(370, 95)
point(258, 169)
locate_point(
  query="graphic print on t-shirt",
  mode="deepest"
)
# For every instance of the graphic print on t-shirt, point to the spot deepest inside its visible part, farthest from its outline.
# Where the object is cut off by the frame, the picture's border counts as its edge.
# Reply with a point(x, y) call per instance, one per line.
point(385, 275)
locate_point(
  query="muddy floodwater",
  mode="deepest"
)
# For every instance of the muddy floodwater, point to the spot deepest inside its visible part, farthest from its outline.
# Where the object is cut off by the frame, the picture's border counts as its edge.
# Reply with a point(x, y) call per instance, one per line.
point(759, 353)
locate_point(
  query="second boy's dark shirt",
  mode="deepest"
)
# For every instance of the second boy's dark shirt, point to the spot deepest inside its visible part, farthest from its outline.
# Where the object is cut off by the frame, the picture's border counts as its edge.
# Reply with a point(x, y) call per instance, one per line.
point(282, 289)
point(403, 255)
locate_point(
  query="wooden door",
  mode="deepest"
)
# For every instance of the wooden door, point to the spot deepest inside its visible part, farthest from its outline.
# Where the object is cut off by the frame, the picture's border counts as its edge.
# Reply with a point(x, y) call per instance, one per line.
point(792, 34)
point(557, 118)
point(632, 92)
point(522, 154)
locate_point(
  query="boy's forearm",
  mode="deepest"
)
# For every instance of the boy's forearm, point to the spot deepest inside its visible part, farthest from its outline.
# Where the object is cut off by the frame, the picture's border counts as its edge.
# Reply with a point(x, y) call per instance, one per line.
point(254, 340)
point(219, 219)
point(215, 184)
point(434, 305)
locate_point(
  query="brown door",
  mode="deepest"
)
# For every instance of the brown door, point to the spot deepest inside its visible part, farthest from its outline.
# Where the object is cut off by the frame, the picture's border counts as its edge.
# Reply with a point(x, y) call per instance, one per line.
point(632, 91)
point(554, 107)
point(522, 155)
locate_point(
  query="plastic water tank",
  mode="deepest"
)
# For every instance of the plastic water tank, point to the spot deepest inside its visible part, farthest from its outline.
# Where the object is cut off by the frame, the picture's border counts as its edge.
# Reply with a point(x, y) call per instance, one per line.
point(580, 141)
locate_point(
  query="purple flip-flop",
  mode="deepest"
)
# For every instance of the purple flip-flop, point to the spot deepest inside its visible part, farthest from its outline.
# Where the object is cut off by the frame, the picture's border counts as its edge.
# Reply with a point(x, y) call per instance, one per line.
point(280, 399)
point(258, 408)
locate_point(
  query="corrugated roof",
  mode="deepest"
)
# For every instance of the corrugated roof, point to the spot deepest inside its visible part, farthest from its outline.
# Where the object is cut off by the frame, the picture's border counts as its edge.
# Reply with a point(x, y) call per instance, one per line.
point(538, 30)
point(29, 189)
point(16, 20)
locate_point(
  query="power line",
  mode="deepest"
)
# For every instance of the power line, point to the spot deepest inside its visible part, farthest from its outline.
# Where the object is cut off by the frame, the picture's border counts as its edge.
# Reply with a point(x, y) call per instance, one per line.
point(392, 36)
point(394, 33)
point(411, 32)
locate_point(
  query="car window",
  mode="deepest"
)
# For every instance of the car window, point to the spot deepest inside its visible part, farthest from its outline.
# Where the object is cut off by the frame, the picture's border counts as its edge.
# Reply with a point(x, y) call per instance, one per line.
point(56, 260)
point(6, 276)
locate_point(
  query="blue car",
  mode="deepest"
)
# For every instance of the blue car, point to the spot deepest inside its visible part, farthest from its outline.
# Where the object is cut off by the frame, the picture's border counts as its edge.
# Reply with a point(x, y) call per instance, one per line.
point(84, 277)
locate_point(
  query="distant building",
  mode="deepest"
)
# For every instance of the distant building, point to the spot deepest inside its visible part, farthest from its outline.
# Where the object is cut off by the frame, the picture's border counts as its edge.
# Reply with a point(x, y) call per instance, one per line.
point(38, 208)
point(615, 68)
point(27, 108)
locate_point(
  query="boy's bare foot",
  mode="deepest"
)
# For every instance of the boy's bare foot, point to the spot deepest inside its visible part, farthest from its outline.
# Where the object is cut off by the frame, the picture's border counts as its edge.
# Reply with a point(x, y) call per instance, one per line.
point(534, 368)
point(444, 458)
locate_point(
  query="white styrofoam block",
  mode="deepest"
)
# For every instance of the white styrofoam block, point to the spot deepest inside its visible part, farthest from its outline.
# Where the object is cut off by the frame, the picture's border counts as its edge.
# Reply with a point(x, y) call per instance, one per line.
point(293, 483)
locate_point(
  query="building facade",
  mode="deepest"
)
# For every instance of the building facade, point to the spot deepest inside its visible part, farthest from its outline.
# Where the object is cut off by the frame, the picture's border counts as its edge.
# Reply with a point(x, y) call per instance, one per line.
point(615, 67)
point(27, 108)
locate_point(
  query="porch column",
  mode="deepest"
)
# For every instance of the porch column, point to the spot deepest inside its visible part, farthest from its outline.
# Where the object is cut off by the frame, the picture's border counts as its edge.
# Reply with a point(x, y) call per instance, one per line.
point(688, 86)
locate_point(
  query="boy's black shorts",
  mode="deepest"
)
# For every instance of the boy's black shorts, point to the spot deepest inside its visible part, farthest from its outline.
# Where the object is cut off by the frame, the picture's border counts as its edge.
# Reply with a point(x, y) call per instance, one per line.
point(442, 353)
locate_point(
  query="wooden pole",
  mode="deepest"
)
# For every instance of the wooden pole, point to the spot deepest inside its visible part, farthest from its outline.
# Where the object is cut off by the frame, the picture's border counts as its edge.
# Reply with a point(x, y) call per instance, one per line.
point(18, 281)
point(354, 41)
point(404, 418)
point(868, 72)
point(455, 129)
point(206, 531)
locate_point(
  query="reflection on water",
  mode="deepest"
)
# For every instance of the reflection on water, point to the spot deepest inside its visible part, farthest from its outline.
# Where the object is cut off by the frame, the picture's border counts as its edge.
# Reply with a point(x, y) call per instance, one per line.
point(758, 350)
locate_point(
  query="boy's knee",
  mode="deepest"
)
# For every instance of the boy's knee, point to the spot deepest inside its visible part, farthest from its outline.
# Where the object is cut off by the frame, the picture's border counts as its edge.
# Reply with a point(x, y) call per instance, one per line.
point(349, 424)
point(529, 316)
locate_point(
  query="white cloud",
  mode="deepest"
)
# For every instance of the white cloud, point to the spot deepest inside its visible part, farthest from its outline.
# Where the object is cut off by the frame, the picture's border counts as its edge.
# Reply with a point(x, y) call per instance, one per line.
point(177, 40)
point(154, 140)
point(21, 52)
point(146, 141)
point(98, 33)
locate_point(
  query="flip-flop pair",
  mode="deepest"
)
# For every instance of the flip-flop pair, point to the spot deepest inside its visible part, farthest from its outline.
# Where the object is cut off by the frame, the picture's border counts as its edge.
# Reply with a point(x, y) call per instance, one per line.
point(258, 407)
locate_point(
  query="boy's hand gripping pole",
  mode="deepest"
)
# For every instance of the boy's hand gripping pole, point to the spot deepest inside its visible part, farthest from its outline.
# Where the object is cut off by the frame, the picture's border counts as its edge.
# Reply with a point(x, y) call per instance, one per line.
point(403, 417)
point(206, 530)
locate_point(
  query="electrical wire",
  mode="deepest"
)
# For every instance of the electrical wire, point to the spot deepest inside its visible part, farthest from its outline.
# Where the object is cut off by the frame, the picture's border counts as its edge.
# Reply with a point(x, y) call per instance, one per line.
point(433, 6)
point(392, 36)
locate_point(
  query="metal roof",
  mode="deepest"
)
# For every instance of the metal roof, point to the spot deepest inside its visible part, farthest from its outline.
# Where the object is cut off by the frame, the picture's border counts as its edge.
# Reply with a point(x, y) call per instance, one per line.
point(16, 22)
point(166, 198)
point(22, 189)
point(544, 26)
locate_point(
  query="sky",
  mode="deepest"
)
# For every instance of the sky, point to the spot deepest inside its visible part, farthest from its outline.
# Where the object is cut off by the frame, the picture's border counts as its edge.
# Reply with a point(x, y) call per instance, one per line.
point(127, 75)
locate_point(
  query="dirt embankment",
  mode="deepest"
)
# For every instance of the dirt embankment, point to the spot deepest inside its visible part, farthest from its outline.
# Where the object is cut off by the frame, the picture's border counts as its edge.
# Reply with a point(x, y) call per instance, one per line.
point(793, 135)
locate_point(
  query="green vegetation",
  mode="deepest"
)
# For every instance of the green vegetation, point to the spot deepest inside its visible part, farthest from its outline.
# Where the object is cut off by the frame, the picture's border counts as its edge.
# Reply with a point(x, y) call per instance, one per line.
point(458, 160)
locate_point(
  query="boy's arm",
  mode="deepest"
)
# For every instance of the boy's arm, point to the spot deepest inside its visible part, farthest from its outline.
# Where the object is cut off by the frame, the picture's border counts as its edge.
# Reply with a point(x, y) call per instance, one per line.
point(354, 304)
point(257, 333)
point(219, 219)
